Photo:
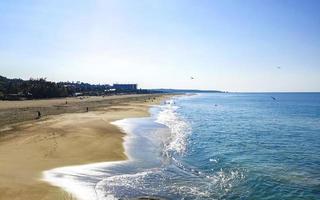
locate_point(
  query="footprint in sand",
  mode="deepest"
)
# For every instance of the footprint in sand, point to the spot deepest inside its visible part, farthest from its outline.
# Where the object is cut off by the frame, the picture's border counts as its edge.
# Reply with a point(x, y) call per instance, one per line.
point(54, 146)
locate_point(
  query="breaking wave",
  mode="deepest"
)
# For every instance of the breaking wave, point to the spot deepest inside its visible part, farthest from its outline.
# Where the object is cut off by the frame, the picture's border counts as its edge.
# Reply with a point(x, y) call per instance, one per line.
point(155, 147)
point(179, 129)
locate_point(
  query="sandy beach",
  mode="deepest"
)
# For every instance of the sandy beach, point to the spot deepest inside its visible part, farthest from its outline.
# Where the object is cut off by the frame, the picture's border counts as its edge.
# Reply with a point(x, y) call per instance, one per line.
point(65, 135)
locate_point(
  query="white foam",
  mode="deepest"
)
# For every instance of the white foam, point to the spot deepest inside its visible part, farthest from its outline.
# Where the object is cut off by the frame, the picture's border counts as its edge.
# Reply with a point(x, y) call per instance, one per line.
point(126, 127)
point(65, 177)
point(179, 129)
point(68, 177)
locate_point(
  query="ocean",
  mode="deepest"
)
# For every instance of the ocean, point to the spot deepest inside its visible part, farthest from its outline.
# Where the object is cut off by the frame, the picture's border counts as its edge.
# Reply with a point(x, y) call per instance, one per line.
point(211, 146)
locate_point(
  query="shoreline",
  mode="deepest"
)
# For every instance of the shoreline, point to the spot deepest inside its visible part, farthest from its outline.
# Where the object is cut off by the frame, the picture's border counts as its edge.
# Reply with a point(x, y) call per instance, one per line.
point(143, 140)
point(63, 140)
point(12, 112)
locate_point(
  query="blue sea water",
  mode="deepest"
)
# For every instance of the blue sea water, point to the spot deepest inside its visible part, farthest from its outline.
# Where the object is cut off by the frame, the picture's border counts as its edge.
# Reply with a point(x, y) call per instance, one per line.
point(214, 146)
point(268, 149)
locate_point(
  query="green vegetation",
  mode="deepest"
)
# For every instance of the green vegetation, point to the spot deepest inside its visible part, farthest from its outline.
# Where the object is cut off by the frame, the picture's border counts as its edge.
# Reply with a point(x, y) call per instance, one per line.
point(12, 89)
point(18, 89)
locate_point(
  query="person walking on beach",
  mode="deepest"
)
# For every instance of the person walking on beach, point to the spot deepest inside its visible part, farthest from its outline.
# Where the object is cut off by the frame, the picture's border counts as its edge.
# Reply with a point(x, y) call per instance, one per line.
point(87, 109)
point(39, 114)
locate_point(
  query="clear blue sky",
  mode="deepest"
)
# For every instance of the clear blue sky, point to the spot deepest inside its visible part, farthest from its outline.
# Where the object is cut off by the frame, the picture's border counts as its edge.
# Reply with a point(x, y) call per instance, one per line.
point(234, 45)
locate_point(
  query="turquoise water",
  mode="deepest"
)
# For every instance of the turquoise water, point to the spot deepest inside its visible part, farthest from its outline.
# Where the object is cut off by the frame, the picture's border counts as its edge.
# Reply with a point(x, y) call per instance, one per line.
point(273, 146)
point(212, 146)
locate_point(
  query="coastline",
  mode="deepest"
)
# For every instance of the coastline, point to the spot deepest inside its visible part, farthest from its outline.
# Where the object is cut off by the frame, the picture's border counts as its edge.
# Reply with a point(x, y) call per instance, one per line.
point(147, 140)
point(12, 112)
point(31, 147)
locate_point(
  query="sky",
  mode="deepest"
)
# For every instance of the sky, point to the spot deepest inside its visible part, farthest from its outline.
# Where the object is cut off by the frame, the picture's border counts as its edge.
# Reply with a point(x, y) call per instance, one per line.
point(229, 45)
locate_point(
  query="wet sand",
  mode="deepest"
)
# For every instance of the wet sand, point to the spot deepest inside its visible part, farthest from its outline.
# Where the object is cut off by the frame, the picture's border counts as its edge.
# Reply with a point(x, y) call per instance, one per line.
point(27, 148)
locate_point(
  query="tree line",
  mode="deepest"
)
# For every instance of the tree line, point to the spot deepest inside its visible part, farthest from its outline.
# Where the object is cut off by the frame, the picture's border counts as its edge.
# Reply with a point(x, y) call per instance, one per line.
point(15, 89)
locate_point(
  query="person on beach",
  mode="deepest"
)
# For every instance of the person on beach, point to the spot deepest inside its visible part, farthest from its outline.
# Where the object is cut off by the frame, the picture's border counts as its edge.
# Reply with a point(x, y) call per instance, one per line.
point(39, 114)
point(87, 109)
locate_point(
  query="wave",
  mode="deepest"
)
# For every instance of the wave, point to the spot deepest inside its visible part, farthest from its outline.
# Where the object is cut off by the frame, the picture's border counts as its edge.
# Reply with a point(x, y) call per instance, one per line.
point(154, 169)
point(176, 144)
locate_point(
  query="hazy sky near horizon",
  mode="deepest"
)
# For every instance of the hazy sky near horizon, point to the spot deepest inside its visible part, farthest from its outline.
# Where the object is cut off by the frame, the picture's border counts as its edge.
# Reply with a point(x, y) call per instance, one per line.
point(233, 45)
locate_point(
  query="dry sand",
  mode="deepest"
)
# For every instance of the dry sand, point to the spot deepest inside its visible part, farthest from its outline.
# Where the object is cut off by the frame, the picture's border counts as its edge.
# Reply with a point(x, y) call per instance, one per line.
point(30, 147)
point(19, 111)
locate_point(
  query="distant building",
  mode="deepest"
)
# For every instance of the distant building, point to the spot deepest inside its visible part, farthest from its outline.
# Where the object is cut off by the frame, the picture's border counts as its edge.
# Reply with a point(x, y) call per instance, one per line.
point(125, 86)
point(77, 94)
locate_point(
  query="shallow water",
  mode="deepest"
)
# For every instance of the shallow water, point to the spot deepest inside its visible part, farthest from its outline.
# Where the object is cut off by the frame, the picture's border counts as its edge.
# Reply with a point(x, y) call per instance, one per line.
point(212, 146)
